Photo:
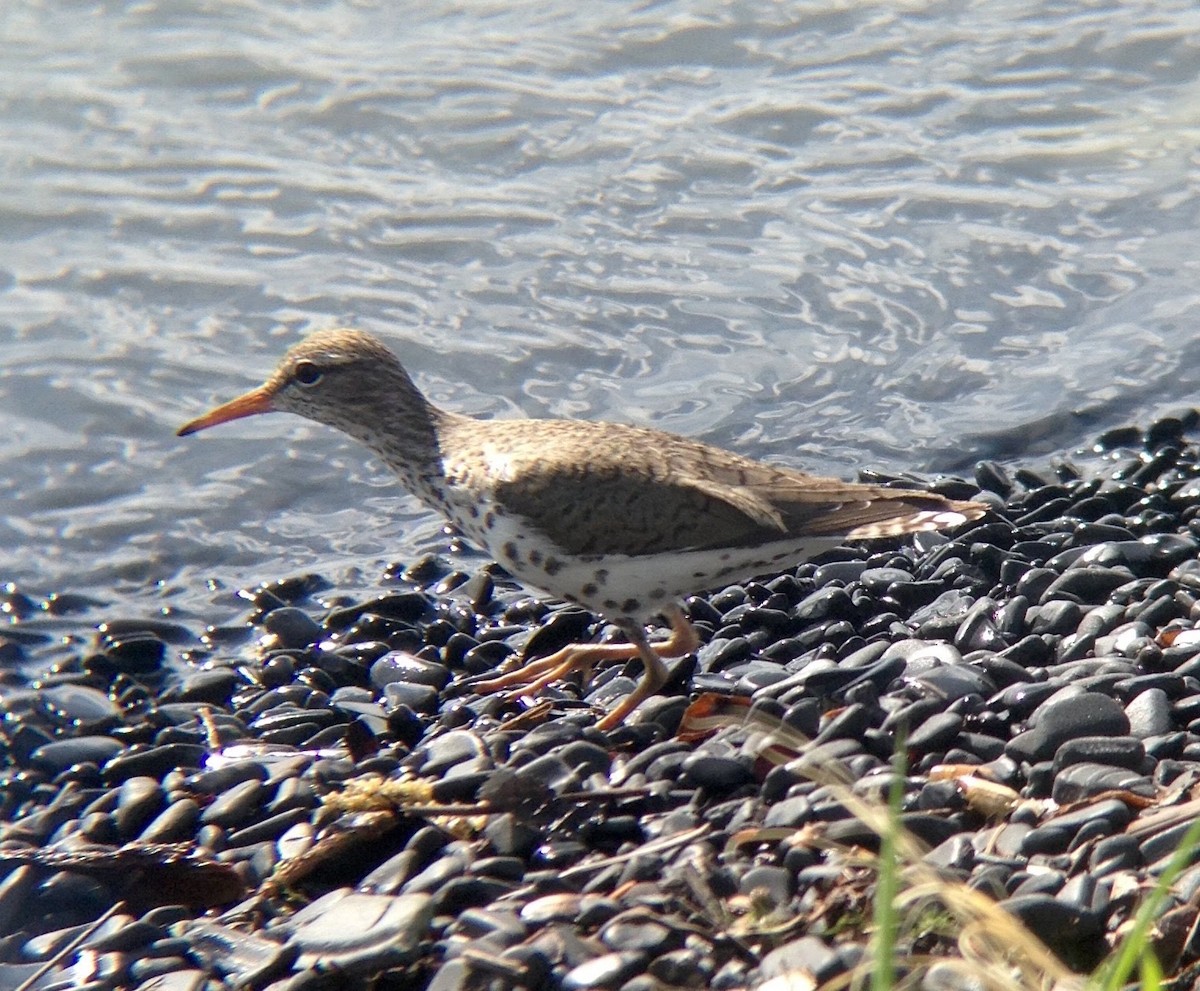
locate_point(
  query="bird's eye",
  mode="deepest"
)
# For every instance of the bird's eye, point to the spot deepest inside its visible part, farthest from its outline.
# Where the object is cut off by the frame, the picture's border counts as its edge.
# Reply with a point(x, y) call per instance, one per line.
point(306, 373)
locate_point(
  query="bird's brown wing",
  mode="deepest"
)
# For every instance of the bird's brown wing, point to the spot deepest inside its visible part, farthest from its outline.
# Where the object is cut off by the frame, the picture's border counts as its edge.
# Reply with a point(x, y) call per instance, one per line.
point(686, 508)
point(609, 489)
point(578, 513)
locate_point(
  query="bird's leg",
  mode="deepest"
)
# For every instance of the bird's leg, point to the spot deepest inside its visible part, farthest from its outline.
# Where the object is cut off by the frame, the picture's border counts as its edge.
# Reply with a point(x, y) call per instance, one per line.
point(536, 675)
point(531, 678)
point(682, 641)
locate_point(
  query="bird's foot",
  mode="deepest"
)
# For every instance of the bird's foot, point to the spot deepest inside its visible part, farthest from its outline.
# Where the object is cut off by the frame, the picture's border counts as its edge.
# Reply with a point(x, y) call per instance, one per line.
point(533, 677)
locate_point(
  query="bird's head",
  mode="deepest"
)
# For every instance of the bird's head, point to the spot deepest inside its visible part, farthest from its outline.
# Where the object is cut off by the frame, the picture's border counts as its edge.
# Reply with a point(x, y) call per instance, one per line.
point(342, 378)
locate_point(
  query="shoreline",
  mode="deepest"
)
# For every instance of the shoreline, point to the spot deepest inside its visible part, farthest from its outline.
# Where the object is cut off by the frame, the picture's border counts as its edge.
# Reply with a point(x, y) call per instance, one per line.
point(1050, 646)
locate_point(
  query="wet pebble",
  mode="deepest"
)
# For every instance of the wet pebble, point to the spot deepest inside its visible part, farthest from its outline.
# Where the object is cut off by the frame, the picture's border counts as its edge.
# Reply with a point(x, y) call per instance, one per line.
point(59, 755)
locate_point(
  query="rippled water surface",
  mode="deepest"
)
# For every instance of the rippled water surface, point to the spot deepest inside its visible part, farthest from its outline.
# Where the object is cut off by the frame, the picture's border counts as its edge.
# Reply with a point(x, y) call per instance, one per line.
point(898, 235)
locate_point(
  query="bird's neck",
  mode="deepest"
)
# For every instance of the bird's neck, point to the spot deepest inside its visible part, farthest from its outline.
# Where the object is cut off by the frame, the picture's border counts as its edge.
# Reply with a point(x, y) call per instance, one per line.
point(405, 431)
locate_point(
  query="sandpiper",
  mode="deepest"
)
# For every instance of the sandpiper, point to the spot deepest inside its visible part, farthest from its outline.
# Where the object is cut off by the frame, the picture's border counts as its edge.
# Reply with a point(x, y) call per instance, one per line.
point(624, 520)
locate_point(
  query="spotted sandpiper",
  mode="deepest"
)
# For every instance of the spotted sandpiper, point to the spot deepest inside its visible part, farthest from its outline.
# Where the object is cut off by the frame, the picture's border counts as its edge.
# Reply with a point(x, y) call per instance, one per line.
point(624, 520)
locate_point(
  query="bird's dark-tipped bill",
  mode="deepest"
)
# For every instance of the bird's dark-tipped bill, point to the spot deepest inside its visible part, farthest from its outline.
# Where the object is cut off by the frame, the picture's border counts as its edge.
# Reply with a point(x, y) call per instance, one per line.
point(255, 401)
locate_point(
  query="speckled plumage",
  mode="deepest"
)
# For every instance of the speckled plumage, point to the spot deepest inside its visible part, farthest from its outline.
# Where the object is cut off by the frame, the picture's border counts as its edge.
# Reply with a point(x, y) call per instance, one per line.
point(625, 520)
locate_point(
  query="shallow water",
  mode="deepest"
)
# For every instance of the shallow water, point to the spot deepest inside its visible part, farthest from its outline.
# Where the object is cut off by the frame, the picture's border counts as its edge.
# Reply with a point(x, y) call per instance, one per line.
point(903, 236)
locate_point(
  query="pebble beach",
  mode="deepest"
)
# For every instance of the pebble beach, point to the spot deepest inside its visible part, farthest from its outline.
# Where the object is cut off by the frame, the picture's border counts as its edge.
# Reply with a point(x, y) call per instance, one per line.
point(243, 744)
point(315, 797)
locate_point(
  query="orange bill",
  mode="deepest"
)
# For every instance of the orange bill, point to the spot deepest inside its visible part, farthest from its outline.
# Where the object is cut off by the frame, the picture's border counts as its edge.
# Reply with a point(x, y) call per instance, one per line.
point(255, 401)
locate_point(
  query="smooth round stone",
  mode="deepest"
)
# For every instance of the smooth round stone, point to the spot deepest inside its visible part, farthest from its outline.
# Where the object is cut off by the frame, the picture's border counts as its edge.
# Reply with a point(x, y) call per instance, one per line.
point(789, 813)
point(265, 830)
point(1034, 582)
point(825, 603)
point(839, 571)
point(236, 806)
point(1056, 835)
point(156, 973)
point(453, 975)
point(139, 800)
point(955, 681)
point(1065, 718)
point(1087, 585)
point(915, 594)
point(452, 749)
point(1116, 751)
point(1061, 616)
point(153, 762)
point(175, 823)
point(778, 883)
point(1022, 699)
point(452, 864)
point(840, 678)
point(941, 618)
point(1162, 845)
point(609, 970)
point(398, 665)
point(1113, 854)
point(681, 968)
point(547, 772)
point(716, 772)
point(551, 908)
point(15, 890)
point(920, 655)
point(282, 722)
point(501, 926)
point(807, 955)
point(1054, 921)
point(358, 932)
point(1099, 621)
point(1124, 640)
point(416, 698)
point(1080, 782)
point(510, 835)
point(877, 580)
point(292, 628)
point(221, 779)
point(243, 958)
point(907, 718)
point(936, 733)
point(639, 932)
point(584, 757)
point(1149, 714)
point(755, 675)
point(978, 632)
point(136, 655)
point(213, 686)
point(55, 757)
point(68, 892)
point(86, 708)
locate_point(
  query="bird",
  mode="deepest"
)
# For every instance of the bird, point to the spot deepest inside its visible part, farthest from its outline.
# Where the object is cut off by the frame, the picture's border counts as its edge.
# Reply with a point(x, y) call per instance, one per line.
point(627, 521)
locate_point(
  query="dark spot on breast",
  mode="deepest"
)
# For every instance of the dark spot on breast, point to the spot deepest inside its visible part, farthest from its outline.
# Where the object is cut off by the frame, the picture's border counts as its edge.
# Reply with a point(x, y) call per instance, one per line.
point(511, 552)
point(658, 594)
point(611, 604)
point(630, 605)
point(474, 511)
point(601, 576)
point(552, 566)
point(535, 557)
point(489, 520)
point(589, 589)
